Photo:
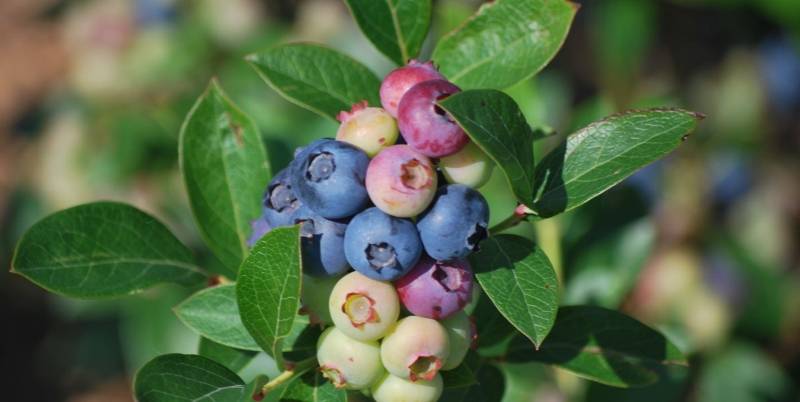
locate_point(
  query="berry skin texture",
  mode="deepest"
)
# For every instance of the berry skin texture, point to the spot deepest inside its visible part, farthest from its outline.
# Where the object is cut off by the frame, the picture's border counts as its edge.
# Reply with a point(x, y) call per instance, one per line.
point(400, 80)
point(321, 243)
point(280, 201)
point(415, 349)
point(370, 129)
point(426, 127)
point(455, 223)
point(315, 293)
point(348, 363)
point(462, 335)
point(363, 308)
point(328, 177)
point(435, 289)
point(401, 181)
point(381, 246)
point(395, 389)
point(470, 166)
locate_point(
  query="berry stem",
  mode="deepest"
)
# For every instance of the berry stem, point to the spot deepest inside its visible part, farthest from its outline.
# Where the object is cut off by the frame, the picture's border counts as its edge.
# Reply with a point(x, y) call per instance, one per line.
point(521, 214)
point(293, 369)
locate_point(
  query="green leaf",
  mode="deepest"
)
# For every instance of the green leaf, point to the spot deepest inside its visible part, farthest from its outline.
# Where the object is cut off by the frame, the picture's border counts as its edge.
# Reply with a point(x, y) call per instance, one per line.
point(177, 377)
point(604, 346)
point(253, 391)
point(518, 278)
point(743, 373)
point(103, 249)
point(396, 27)
point(604, 153)
point(268, 289)
point(506, 42)
point(225, 170)
point(214, 314)
point(495, 123)
point(316, 77)
point(309, 387)
point(233, 359)
point(490, 387)
point(463, 375)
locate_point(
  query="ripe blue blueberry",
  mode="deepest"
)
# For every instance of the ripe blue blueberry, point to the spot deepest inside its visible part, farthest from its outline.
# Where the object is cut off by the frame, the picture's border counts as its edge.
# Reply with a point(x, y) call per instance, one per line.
point(328, 177)
point(381, 246)
point(260, 228)
point(455, 223)
point(322, 243)
point(280, 201)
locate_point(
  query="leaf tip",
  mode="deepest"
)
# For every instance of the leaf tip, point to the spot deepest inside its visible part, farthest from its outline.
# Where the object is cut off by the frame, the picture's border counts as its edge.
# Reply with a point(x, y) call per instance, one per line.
point(575, 6)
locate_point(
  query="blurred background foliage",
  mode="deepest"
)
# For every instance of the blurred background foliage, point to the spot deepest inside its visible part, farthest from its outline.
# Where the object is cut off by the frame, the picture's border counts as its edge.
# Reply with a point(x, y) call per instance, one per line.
point(703, 245)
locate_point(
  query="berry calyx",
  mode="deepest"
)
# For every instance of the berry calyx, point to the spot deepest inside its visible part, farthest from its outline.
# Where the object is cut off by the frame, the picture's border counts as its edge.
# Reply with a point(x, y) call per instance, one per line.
point(363, 308)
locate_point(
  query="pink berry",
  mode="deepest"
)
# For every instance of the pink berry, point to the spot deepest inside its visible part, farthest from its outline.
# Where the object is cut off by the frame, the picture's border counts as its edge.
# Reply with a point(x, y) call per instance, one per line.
point(400, 181)
point(436, 289)
point(425, 126)
point(399, 81)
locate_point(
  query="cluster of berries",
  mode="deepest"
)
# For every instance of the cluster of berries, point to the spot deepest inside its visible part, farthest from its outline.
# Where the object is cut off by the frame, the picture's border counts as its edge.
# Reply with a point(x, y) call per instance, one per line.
point(373, 200)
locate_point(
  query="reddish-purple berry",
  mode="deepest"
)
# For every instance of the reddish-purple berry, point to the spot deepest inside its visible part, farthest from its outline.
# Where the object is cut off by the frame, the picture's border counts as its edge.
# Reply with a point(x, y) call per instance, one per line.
point(436, 289)
point(401, 181)
point(399, 81)
point(425, 126)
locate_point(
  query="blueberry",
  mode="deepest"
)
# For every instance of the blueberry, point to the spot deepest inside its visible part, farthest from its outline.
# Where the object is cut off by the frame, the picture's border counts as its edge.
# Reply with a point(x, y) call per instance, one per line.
point(455, 223)
point(415, 349)
point(280, 201)
point(469, 166)
point(400, 80)
point(392, 388)
point(401, 181)
point(348, 363)
point(322, 243)
point(363, 308)
point(462, 335)
point(436, 289)
point(426, 127)
point(328, 177)
point(381, 246)
point(371, 129)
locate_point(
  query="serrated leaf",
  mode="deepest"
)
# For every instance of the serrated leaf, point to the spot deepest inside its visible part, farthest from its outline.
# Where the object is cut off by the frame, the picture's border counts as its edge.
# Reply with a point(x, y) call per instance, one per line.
point(177, 377)
point(233, 359)
point(604, 153)
point(316, 77)
point(604, 346)
point(495, 123)
point(505, 42)
point(214, 314)
point(225, 170)
point(103, 249)
point(268, 289)
point(397, 28)
point(519, 279)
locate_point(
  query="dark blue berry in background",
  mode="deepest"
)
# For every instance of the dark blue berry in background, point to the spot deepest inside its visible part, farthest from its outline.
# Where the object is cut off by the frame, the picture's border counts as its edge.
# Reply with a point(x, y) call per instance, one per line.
point(381, 246)
point(455, 223)
point(322, 243)
point(280, 201)
point(328, 177)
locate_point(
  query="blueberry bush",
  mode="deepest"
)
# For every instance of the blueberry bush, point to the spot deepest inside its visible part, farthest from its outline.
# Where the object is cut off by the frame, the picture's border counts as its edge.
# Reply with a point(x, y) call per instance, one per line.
point(367, 268)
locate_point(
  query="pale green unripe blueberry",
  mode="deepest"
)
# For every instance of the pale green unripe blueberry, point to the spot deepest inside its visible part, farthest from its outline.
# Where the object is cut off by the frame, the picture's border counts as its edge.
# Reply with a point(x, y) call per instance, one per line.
point(391, 388)
point(363, 308)
point(461, 334)
point(415, 348)
point(369, 128)
point(315, 295)
point(470, 166)
point(347, 362)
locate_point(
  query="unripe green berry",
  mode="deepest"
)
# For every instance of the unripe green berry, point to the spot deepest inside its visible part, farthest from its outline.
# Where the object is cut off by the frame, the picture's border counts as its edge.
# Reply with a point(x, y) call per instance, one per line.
point(415, 348)
point(391, 388)
point(461, 334)
point(369, 128)
point(363, 308)
point(470, 166)
point(347, 362)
